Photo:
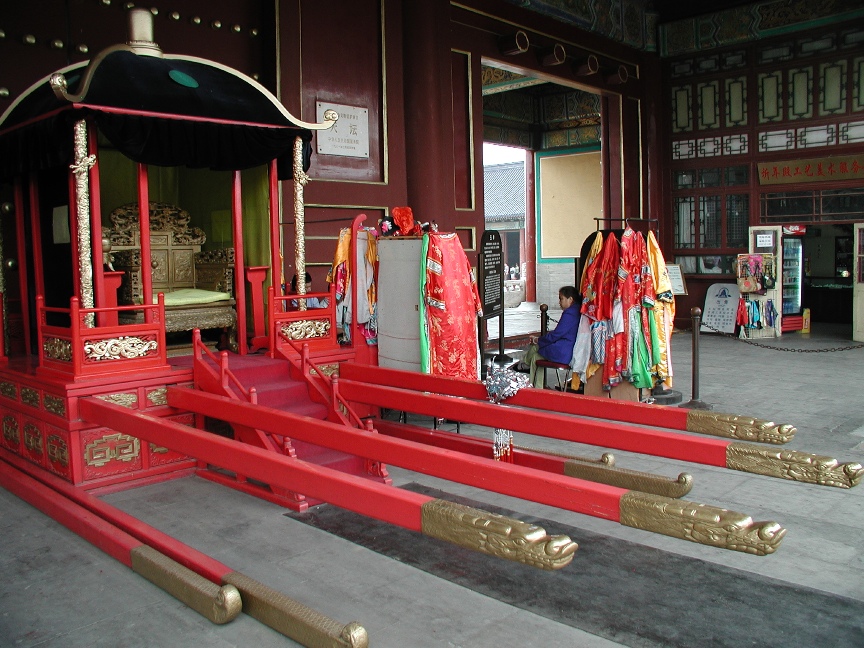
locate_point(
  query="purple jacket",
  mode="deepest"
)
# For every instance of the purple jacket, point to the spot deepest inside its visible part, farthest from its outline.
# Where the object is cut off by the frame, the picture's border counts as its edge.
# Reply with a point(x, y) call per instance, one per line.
point(557, 345)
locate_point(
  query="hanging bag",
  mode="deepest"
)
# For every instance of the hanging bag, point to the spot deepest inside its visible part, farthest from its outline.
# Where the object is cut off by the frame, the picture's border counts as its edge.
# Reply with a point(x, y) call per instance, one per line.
point(748, 280)
point(749, 283)
point(769, 275)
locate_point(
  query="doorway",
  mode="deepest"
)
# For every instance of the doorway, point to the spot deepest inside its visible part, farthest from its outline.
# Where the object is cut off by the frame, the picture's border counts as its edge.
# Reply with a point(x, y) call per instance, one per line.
point(828, 273)
point(561, 126)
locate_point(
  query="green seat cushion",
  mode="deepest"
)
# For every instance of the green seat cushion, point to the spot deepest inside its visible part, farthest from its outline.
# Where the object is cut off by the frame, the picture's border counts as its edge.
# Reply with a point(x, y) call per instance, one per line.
point(192, 296)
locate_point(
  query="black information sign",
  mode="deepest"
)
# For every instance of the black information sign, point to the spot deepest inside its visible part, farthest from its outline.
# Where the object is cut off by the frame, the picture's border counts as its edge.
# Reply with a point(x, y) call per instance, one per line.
point(492, 270)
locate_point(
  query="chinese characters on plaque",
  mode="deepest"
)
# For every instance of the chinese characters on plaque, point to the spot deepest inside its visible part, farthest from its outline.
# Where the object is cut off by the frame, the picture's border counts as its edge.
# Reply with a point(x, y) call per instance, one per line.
point(721, 307)
point(349, 136)
point(841, 167)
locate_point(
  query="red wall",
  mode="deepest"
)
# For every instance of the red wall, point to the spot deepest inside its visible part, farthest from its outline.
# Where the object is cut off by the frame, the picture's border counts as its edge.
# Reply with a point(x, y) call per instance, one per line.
point(414, 65)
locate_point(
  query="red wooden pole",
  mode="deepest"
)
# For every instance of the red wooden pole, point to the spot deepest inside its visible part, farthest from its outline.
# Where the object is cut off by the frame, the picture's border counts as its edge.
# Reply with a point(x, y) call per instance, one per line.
point(272, 608)
point(75, 332)
point(541, 399)
point(144, 229)
point(73, 234)
point(673, 445)
point(187, 556)
point(469, 444)
point(741, 428)
point(239, 269)
point(102, 296)
point(40, 328)
point(95, 530)
point(277, 274)
point(218, 604)
point(36, 229)
point(564, 492)
point(256, 275)
point(373, 499)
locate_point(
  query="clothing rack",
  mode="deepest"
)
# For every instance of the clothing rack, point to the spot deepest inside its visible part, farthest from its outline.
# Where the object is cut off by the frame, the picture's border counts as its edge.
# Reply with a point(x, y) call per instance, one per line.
point(626, 221)
point(768, 324)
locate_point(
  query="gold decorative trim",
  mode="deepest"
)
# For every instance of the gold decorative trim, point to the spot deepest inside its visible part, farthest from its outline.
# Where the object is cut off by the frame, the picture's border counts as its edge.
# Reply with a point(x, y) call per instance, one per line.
point(122, 348)
point(57, 349)
point(158, 396)
point(743, 428)
point(328, 370)
point(54, 404)
point(154, 449)
point(58, 450)
point(33, 438)
point(794, 465)
point(121, 447)
point(305, 329)
point(219, 256)
point(128, 399)
point(81, 169)
point(218, 604)
point(9, 390)
point(300, 181)
point(59, 84)
point(708, 525)
point(496, 535)
point(10, 430)
point(163, 217)
point(472, 236)
point(629, 479)
point(293, 619)
point(30, 396)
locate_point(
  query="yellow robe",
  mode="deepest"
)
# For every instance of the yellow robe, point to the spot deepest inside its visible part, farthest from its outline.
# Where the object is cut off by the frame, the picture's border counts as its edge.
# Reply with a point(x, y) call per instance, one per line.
point(664, 311)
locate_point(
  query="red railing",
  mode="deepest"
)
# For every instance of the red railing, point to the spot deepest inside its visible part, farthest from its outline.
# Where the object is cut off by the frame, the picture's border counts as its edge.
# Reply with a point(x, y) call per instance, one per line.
point(325, 386)
point(207, 378)
point(286, 321)
point(81, 350)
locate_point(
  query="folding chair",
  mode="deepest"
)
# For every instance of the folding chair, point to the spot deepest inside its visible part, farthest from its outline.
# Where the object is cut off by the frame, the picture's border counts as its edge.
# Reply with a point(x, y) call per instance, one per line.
point(558, 367)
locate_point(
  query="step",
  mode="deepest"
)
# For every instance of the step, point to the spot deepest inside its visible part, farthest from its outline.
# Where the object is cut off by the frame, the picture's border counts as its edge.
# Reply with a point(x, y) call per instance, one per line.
point(279, 393)
point(259, 370)
point(328, 457)
point(305, 408)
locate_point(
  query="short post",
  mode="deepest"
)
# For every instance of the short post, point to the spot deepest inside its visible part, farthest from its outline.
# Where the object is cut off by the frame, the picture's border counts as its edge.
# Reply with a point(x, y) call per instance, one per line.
point(695, 402)
point(544, 319)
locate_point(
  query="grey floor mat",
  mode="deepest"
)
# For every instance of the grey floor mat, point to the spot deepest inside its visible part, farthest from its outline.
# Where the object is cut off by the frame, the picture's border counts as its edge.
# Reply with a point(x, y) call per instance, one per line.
point(632, 594)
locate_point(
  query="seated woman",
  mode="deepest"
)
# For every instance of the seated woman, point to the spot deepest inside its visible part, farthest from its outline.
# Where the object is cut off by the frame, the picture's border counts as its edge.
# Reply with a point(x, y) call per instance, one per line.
point(311, 302)
point(556, 345)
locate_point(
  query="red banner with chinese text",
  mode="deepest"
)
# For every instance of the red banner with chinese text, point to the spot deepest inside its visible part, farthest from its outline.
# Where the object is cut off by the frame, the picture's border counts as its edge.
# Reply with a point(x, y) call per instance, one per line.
point(824, 169)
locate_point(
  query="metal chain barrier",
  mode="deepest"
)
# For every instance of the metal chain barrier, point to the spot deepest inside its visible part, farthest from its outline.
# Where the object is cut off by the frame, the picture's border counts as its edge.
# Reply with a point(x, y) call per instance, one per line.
point(786, 349)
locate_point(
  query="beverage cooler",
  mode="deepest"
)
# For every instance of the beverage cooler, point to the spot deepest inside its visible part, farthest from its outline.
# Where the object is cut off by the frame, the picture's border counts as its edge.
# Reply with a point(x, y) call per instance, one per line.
point(793, 273)
point(785, 243)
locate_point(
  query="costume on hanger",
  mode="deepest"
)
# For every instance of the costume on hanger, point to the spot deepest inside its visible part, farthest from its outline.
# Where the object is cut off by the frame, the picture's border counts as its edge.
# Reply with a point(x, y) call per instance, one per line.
point(637, 292)
point(449, 346)
point(600, 303)
point(583, 367)
point(340, 274)
point(663, 312)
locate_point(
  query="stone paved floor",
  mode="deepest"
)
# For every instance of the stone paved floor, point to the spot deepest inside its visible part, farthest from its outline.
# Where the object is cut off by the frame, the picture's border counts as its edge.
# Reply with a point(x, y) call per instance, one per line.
point(58, 590)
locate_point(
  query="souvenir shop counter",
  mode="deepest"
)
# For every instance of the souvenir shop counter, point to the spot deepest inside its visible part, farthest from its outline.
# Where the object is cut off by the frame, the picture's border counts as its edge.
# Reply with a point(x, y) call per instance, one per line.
point(829, 299)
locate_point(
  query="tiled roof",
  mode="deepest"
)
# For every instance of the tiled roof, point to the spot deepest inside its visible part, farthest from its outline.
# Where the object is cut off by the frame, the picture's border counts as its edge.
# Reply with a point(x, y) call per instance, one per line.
point(504, 191)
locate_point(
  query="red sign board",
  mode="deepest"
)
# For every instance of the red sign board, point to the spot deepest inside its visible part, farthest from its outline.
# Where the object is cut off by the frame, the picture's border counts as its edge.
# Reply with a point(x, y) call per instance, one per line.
point(794, 230)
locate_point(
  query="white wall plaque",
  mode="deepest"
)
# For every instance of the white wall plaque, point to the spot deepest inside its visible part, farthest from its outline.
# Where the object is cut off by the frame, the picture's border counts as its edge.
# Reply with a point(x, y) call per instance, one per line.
point(349, 136)
point(676, 278)
point(765, 240)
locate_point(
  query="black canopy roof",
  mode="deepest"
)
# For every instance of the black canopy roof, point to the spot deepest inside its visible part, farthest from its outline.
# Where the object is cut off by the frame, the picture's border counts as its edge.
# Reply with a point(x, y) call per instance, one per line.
point(155, 109)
